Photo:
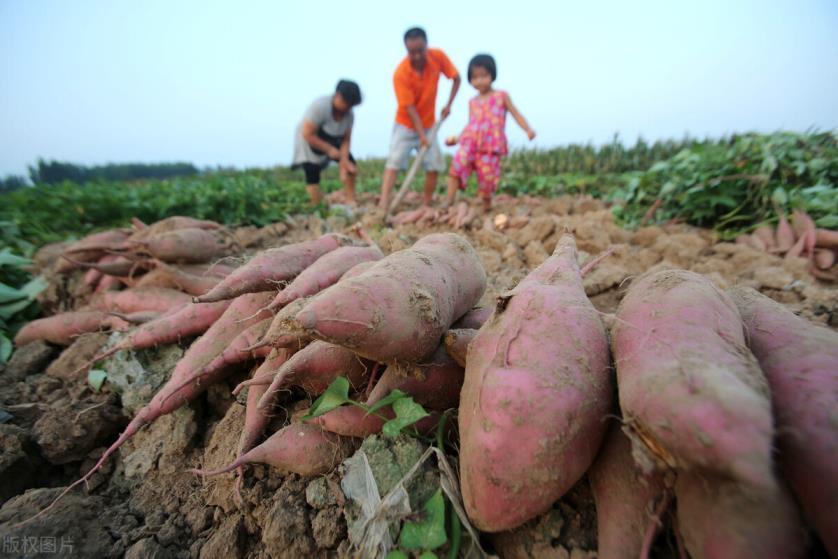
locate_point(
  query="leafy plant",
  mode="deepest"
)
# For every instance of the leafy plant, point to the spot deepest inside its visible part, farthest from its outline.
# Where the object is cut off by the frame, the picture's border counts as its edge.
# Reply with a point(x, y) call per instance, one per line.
point(734, 186)
point(18, 291)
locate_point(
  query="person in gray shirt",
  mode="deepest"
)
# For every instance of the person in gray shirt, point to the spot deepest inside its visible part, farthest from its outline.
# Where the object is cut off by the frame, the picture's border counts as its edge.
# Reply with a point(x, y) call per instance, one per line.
point(324, 135)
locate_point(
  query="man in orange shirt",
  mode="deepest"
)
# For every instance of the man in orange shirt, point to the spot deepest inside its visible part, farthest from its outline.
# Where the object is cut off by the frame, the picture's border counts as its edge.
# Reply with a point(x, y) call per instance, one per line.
point(415, 82)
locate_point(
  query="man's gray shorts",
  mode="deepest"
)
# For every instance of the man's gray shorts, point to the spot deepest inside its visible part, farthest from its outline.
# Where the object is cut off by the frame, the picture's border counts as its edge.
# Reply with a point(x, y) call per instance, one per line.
point(404, 140)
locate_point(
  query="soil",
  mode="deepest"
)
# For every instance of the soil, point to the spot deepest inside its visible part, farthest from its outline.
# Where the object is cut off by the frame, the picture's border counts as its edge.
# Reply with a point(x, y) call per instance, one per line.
point(145, 503)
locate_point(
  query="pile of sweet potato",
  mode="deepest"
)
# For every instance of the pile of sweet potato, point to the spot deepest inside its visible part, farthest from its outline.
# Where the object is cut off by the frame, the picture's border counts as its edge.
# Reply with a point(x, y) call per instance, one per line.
point(800, 238)
point(726, 400)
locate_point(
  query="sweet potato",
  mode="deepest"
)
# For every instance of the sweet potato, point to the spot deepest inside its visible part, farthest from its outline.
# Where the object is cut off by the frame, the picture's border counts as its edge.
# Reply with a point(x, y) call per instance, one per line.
point(165, 275)
point(826, 238)
point(537, 388)
point(61, 329)
point(64, 265)
point(184, 245)
point(108, 284)
point(399, 309)
point(358, 269)
point(172, 224)
point(102, 241)
point(274, 265)
point(475, 318)
point(299, 448)
point(325, 271)
point(256, 418)
point(800, 361)
point(239, 349)
point(352, 421)
point(435, 383)
point(91, 278)
point(314, 367)
point(692, 394)
point(189, 320)
point(766, 235)
point(719, 518)
point(137, 299)
point(112, 265)
point(785, 234)
point(456, 343)
point(824, 258)
point(625, 499)
point(281, 332)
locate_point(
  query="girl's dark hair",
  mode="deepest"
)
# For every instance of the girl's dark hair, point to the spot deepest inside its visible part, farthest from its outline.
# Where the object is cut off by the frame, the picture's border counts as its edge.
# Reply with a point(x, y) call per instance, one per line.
point(486, 62)
point(415, 33)
point(350, 92)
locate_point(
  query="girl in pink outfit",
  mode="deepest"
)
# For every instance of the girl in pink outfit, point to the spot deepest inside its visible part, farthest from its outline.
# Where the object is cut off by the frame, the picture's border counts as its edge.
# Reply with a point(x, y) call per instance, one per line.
point(483, 140)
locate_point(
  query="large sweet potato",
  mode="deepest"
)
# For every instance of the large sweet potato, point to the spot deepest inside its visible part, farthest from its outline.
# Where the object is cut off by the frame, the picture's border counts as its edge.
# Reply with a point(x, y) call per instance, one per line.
point(800, 361)
point(722, 519)
point(399, 309)
point(691, 392)
point(536, 392)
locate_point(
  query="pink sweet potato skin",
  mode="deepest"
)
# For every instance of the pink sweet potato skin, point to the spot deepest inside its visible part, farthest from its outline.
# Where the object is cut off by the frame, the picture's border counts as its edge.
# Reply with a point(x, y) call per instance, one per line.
point(300, 448)
point(160, 299)
point(691, 392)
point(352, 421)
point(720, 519)
point(399, 309)
point(800, 361)
point(435, 383)
point(314, 367)
point(273, 265)
point(185, 245)
point(256, 419)
point(61, 329)
point(625, 498)
point(475, 318)
point(536, 392)
point(326, 271)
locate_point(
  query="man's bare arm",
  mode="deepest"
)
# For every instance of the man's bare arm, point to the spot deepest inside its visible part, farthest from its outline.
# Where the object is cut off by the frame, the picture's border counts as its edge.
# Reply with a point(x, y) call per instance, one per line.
point(455, 87)
point(310, 136)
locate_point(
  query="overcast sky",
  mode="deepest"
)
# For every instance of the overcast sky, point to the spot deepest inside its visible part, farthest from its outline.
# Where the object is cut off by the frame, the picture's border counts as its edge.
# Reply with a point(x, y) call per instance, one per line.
point(225, 83)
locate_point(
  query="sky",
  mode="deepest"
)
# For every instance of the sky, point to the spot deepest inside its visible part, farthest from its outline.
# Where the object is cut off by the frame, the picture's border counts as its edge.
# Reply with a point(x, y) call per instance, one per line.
point(225, 83)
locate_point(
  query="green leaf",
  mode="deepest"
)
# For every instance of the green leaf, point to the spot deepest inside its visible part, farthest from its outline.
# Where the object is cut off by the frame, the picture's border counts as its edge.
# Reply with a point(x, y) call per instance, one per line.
point(5, 348)
point(407, 412)
point(428, 555)
point(335, 396)
point(397, 554)
point(9, 293)
point(8, 310)
point(827, 222)
point(779, 196)
point(9, 259)
point(34, 287)
point(428, 533)
point(386, 401)
point(96, 378)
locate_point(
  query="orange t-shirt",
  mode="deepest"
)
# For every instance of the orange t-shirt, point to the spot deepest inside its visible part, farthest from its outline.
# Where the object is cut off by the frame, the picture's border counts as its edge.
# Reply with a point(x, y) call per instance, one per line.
point(420, 90)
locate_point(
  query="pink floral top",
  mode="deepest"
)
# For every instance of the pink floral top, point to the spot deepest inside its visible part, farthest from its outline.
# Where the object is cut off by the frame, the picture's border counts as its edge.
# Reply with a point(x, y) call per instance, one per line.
point(486, 123)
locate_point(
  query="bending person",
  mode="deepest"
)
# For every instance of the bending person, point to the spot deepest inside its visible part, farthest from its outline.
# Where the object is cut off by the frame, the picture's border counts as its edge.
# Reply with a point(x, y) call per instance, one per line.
point(325, 135)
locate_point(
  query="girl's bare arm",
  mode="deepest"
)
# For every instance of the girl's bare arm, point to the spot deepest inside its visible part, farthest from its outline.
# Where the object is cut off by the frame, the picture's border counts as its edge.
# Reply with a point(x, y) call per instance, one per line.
point(519, 118)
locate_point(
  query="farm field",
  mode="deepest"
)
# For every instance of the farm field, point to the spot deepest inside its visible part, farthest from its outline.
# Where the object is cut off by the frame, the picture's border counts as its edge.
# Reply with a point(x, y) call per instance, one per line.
point(704, 207)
